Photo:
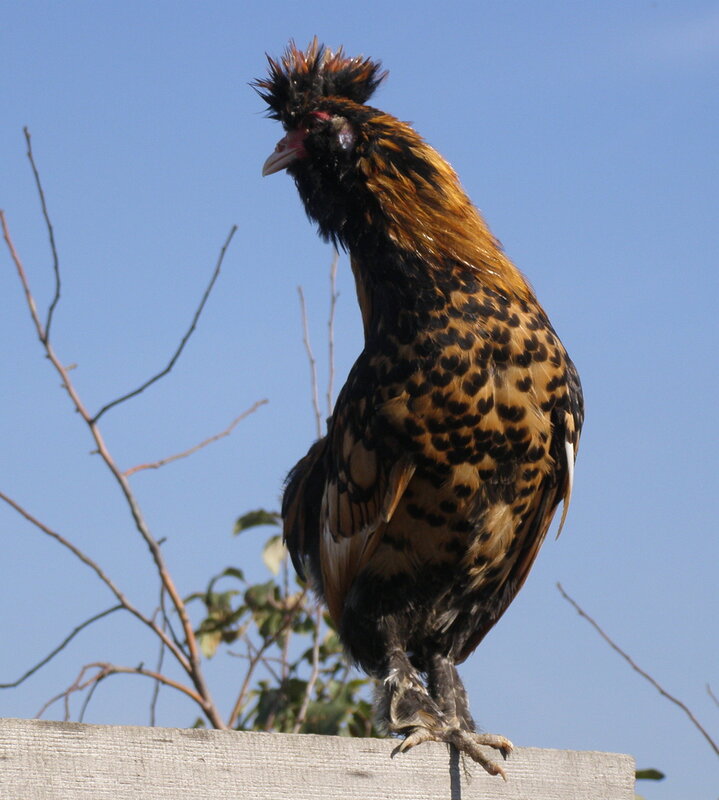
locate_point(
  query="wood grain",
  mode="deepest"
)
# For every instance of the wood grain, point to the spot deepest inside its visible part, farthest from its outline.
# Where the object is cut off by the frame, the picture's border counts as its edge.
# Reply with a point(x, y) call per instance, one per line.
point(42, 760)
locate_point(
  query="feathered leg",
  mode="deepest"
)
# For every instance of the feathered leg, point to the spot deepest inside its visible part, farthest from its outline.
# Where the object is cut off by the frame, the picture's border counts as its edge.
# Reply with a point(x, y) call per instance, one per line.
point(446, 688)
point(406, 707)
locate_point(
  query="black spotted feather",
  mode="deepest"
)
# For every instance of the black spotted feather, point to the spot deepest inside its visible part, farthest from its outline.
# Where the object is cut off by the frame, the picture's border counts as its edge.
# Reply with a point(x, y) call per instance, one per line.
point(419, 515)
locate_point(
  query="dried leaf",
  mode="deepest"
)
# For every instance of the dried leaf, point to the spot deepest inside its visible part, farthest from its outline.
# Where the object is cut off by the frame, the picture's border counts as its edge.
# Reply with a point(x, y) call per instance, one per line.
point(273, 554)
point(209, 643)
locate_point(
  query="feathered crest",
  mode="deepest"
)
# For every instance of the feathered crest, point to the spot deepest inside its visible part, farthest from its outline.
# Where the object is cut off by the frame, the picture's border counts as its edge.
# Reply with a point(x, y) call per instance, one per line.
point(300, 77)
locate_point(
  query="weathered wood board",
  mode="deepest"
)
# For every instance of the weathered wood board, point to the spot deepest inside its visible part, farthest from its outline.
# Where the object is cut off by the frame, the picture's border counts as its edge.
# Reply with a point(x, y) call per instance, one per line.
point(42, 760)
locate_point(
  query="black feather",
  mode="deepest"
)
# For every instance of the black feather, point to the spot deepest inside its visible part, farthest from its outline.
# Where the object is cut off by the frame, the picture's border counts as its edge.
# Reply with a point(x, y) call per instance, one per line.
point(299, 78)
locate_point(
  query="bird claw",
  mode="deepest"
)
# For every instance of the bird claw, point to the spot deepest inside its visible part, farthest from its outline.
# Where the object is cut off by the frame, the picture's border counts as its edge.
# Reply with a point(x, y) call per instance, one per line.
point(465, 742)
point(500, 743)
point(417, 736)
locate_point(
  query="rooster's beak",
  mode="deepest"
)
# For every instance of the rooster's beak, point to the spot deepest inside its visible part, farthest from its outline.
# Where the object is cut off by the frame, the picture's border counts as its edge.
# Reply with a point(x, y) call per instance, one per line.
point(288, 149)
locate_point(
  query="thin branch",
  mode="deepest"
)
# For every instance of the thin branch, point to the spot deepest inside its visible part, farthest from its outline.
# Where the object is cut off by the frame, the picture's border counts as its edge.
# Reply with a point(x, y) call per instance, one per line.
point(156, 687)
point(85, 703)
point(286, 641)
point(253, 661)
point(63, 644)
point(104, 670)
point(97, 569)
point(185, 453)
point(712, 695)
point(51, 234)
point(185, 338)
point(267, 661)
point(191, 662)
point(166, 621)
point(312, 362)
point(314, 675)
point(334, 295)
point(639, 670)
point(258, 657)
point(23, 280)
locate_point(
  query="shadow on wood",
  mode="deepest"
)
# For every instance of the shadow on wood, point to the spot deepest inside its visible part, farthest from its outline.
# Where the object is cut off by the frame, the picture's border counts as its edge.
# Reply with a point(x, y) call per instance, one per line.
point(42, 760)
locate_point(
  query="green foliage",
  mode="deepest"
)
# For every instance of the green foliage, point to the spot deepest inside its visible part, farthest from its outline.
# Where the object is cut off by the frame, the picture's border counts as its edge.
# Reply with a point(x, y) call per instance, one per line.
point(649, 775)
point(254, 518)
point(297, 679)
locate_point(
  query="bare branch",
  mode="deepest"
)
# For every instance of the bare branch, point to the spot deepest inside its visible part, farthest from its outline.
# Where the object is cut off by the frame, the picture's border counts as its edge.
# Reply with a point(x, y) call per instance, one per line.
point(61, 646)
point(23, 279)
point(85, 703)
point(104, 670)
point(259, 657)
point(312, 361)
point(156, 687)
point(185, 453)
point(185, 338)
point(314, 675)
point(122, 599)
point(639, 670)
point(166, 621)
point(191, 662)
point(51, 234)
point(331, 333)
point(712, 695)
point(253, 661)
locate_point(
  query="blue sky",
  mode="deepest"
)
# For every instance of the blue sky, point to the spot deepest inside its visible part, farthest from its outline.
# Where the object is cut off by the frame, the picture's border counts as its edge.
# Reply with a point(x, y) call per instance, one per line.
point(587, 134)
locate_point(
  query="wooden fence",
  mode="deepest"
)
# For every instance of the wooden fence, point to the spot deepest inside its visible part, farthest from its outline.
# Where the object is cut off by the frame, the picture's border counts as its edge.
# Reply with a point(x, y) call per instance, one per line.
point(41, 760)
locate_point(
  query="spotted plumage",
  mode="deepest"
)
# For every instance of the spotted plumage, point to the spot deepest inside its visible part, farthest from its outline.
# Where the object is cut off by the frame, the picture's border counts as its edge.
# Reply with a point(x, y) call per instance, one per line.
point(419, 514)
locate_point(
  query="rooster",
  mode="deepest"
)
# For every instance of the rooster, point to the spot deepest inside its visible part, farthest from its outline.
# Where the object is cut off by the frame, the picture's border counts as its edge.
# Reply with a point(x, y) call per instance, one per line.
point(419, 515)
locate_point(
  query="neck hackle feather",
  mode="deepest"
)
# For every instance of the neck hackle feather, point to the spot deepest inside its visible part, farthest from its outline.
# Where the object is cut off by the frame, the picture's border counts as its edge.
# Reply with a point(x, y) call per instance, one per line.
point(401, 192)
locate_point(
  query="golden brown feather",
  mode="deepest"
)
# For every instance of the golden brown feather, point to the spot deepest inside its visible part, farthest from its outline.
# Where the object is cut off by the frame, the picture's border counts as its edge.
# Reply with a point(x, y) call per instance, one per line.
point(419, 515)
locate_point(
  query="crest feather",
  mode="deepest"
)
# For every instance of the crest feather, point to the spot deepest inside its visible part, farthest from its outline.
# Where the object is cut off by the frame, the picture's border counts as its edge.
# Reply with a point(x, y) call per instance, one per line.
point(299, 78)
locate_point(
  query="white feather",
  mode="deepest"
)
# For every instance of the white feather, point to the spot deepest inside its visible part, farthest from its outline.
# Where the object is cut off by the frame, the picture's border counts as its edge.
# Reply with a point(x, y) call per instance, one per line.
point(570, 455)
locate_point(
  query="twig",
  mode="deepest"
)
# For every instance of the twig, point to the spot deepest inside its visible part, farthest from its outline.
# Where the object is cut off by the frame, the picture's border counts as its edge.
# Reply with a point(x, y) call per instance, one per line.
point(85, 703)
point(166, 621)
point(286, 641)
point(638, 669)
point(267, 661)
point(253, 661)
point(51, 234)
point(185, 338)
point(97, 569)
point(712, 695)
point(258, 657)
point(191, 661)
point(23, 279)
point(185, 453)
point(61, 646)
point(314, 675)
point(313, 363)
point(334, 295)
point(104, 670)
point(156, 687)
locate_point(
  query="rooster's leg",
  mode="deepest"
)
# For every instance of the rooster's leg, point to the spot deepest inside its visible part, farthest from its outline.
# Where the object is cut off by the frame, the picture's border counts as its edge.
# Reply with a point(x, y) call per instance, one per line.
point(446, 688)
point(439, 715)
point(403, 702)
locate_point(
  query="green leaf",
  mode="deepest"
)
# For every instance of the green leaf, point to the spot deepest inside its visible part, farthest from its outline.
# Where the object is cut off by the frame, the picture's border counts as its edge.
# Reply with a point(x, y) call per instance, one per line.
point(259, 595)
point(325, 718)
point(209, 643)
point(273, 554)
point(233, 572)
point(254, 518)
point(649, 775)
